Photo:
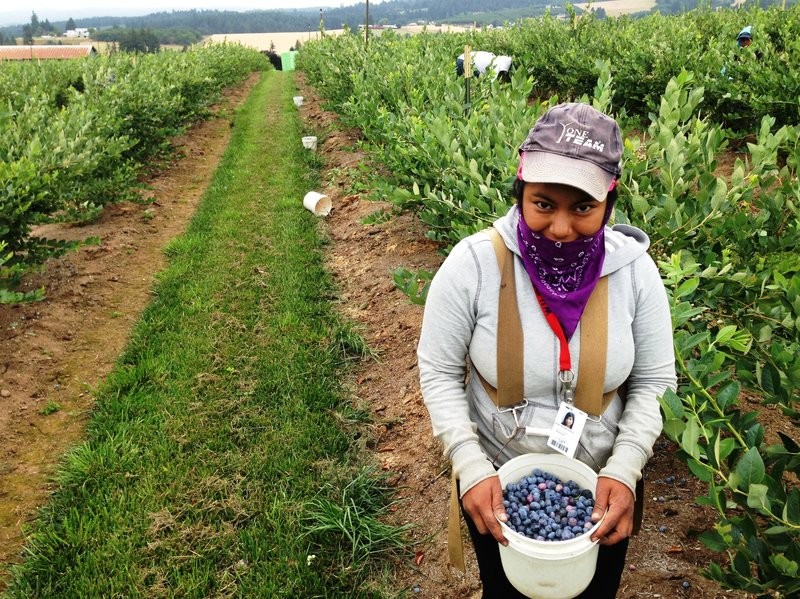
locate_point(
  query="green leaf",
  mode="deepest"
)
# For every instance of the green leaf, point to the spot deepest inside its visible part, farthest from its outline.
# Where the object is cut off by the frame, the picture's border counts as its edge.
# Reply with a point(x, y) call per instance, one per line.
point(728, 394)
point(791, 511)
point(716, 496)
point(700, 471)
point(757, 497)
point(785, 565)
point(741, 565)
point(725, 334)
point(686, 288)
point(726, 446)
point(685, 344)
point(674, 428)
point(671, 404)
point(750, 469)
point(714, 541)
point(689, 439)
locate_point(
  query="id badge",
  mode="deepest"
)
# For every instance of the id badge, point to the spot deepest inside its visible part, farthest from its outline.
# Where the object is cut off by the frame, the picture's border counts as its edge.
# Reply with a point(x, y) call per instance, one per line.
point(567, 429)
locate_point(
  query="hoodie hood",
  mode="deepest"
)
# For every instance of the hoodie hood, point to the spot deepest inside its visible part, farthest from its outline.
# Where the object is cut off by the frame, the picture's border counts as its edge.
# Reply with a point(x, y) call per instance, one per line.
point(624, 243)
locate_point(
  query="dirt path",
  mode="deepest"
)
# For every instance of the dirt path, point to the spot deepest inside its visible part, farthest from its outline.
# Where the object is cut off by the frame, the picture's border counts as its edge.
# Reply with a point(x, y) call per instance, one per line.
point(54, 353)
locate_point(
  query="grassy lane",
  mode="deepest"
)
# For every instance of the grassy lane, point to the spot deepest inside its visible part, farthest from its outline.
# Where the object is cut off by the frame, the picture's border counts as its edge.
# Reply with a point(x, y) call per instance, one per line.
point(216, 462)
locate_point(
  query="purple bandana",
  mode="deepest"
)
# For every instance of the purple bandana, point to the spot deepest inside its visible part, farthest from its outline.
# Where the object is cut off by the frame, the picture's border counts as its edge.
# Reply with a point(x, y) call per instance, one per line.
point(564, 274)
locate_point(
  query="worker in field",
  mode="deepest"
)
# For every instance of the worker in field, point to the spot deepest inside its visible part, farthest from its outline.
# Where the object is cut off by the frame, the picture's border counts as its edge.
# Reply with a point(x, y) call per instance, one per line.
point(744, 40)
point(745, 37)
point(483, 61)
point(497, 374)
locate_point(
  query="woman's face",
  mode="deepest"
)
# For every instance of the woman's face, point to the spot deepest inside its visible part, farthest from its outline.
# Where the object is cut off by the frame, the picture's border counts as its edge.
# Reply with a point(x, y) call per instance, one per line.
point(560, 212)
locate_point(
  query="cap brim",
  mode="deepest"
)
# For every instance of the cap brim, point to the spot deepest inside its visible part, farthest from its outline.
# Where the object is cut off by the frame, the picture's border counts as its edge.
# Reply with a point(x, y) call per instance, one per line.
point(544, 167)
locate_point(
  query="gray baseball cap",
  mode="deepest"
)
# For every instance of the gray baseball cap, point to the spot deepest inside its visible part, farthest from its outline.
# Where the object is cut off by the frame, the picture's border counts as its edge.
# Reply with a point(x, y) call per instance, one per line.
point(573, 144)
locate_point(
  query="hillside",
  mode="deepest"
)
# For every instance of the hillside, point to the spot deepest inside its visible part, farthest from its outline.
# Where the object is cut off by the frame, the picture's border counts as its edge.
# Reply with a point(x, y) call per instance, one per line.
point(394, 12)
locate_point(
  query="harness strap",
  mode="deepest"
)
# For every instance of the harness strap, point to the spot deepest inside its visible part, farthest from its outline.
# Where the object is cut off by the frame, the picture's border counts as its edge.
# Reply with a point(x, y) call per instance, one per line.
point(510, 387)
point(589, 395)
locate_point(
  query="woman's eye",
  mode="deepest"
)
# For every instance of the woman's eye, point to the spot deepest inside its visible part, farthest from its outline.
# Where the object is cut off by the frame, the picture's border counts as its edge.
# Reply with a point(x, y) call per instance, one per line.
point(583, 209)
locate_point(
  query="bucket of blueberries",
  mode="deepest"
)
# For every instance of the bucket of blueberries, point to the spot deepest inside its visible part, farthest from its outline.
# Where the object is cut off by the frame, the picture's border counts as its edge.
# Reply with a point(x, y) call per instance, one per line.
point(549, 500)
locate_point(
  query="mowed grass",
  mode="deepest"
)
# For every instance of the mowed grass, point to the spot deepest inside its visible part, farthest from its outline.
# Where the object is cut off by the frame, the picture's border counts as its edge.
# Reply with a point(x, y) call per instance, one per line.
point(220, 457)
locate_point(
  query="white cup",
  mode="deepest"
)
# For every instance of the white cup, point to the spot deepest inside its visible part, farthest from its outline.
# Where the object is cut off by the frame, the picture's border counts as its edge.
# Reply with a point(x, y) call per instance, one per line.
point(310, 142)
point(317, 203)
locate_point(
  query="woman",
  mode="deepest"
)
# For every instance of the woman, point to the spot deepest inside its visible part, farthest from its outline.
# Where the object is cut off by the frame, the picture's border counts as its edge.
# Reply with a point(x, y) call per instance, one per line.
point(569, 420)
point(565, 192)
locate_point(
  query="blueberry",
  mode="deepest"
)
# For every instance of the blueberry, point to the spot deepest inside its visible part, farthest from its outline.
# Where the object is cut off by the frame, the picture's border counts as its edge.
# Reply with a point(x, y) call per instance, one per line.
point(543, 507)
point(685, 584)
point(662, 529)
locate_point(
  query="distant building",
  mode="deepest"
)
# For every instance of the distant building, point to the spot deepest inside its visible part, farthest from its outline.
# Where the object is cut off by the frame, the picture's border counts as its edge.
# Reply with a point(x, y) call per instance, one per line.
point(45, 52)
point(77, 32)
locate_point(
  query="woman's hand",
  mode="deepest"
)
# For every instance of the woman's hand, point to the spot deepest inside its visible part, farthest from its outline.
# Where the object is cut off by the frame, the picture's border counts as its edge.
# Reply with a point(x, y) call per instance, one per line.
point(615, 500)
point(484, 504)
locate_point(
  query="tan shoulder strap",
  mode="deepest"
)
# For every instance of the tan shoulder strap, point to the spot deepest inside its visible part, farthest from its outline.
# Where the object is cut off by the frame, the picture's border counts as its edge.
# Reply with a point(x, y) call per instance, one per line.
point(589, 395)
point(510, 389)
point(594, 336)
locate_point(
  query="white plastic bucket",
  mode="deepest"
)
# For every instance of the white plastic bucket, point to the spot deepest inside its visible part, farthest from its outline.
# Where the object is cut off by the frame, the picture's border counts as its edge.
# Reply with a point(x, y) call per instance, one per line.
point(298, 101)
point(549, 569)
point(317, 203)
point(310, 142)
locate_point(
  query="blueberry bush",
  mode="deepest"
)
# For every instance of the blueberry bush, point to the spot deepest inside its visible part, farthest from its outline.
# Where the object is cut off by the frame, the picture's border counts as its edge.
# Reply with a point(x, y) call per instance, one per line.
point(75, 134)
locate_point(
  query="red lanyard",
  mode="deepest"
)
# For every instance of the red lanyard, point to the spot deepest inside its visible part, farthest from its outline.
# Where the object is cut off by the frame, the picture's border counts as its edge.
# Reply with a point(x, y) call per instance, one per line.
point(564, 361)
point(565, 374)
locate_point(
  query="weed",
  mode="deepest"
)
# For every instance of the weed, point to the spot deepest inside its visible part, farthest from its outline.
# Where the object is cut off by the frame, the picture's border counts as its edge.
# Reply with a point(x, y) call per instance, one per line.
point(50, 408)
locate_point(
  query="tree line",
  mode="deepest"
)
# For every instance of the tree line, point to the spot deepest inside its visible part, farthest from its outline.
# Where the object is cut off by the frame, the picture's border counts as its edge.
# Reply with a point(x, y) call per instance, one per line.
point(188, 26)
point(399, 12)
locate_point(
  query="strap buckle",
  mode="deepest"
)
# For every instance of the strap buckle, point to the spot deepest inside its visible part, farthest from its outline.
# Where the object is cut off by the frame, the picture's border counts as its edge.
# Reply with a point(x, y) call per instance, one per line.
point(566, 389)
point(518, 428)
point(515, 411)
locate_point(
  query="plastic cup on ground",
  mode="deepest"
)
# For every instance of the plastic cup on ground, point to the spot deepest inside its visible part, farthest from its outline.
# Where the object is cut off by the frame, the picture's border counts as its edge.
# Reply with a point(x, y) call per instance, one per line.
point(317, 203)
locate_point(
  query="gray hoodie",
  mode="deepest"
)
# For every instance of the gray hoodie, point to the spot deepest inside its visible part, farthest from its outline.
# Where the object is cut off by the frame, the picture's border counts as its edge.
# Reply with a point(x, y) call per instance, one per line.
point(459, 327)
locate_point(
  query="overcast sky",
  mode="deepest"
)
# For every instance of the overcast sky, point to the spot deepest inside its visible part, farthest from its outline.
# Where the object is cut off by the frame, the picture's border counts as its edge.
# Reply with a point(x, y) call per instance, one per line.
point(11, 13)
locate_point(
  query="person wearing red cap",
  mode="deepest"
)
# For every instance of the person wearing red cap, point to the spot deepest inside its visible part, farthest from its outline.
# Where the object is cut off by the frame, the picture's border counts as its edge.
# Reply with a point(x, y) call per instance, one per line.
point(561, 243)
